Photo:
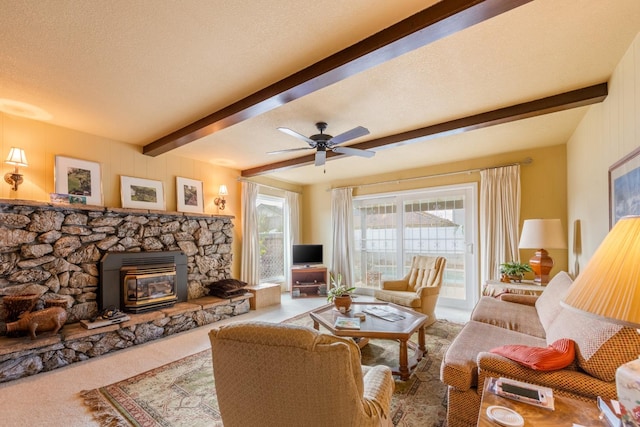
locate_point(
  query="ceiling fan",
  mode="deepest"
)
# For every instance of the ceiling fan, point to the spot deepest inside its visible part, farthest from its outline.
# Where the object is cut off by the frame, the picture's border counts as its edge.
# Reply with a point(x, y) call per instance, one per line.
point(323, 142)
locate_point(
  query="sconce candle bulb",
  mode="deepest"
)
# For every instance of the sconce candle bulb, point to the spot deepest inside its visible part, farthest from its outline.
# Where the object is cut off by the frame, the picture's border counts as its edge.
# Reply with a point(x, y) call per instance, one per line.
point(220, 202)
point(16, 158)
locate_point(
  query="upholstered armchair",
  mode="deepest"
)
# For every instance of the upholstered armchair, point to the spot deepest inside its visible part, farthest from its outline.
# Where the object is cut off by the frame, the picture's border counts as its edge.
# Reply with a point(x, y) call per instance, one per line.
point(419, 289)
point(270, 374)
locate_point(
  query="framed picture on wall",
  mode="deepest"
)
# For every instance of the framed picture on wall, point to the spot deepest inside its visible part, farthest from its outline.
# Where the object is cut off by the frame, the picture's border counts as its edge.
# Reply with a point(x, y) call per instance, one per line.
point(77, 177)
point(624, 187)
point(140, 193)
point(189, 195)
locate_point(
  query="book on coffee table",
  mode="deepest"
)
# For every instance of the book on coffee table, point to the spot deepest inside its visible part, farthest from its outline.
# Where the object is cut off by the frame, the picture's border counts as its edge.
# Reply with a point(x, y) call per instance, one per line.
point(384, 313)
point(347, 323)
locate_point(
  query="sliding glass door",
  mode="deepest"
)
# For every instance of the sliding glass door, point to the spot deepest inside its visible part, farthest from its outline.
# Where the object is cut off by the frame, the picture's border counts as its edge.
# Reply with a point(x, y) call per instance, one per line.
point(391, 229)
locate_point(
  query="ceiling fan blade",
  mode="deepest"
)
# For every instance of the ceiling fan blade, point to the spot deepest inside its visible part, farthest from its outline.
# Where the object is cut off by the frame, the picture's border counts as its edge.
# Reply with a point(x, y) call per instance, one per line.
point(348, 135)
point(354, 152)
point(321, 158)
point(295, 134)
point(289, 150)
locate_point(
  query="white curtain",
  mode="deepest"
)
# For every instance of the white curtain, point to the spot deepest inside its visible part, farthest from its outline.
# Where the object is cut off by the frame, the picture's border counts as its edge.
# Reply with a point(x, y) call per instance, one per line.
point(291, 230)
point(499, 218)
point(343, 242)
point(250, 271)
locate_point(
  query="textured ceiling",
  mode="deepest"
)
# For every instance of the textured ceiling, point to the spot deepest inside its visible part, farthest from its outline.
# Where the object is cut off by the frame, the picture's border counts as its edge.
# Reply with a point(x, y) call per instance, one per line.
point(136, 71)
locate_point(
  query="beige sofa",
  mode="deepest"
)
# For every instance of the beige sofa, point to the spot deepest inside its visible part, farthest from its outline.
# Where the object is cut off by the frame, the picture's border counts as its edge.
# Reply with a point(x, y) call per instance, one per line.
point(534, 321)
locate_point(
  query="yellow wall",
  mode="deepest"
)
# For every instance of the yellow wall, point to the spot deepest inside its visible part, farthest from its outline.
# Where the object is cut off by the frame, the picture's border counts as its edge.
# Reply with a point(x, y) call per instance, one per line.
point(543, 185)
point(571, 185)
point(42, 142)
point(608, 132)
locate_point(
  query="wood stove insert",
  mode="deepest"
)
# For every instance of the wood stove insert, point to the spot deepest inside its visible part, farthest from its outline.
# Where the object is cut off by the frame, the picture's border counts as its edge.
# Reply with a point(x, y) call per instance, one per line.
point(136, 282)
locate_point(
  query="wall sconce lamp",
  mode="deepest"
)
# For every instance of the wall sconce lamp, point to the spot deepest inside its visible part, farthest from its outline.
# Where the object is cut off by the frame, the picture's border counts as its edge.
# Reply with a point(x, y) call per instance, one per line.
point(220, 202)
point(16, 158)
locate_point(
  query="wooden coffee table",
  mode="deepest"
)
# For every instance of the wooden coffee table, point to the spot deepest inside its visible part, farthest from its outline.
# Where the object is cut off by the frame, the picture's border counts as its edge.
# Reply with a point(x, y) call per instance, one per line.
point(375, 327)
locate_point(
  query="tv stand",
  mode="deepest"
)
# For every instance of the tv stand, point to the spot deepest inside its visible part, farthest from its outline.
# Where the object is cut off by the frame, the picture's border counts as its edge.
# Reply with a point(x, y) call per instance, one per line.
point(307, 281)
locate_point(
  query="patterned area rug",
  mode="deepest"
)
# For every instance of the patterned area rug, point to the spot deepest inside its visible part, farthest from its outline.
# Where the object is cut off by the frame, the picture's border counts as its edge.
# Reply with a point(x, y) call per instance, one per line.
point(182, 393)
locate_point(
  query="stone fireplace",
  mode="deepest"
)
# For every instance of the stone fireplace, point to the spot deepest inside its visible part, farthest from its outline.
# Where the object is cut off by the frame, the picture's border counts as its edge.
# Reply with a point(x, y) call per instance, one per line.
point(91, 257)
point(55, 250)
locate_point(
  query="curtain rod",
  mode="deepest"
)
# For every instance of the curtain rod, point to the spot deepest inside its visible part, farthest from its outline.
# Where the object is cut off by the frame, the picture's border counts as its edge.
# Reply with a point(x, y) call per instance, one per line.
point(267, 186)
point(526, 161)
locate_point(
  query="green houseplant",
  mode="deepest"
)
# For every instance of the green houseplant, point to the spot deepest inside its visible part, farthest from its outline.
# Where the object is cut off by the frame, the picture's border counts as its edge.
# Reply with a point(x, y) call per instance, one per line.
point(514, 270)
point(339, 294)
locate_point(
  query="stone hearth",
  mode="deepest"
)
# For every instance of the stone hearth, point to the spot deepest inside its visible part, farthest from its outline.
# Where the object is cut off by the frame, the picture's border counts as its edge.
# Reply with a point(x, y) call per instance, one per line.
point(22, 357)
point(54, 251)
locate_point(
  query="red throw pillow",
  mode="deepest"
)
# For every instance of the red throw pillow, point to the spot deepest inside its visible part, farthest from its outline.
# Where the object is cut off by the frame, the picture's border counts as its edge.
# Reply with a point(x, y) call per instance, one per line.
point(558, 355)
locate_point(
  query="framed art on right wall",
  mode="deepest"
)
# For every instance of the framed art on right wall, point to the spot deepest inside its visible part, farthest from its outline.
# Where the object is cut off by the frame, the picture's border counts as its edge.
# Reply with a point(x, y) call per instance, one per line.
point(624, 187)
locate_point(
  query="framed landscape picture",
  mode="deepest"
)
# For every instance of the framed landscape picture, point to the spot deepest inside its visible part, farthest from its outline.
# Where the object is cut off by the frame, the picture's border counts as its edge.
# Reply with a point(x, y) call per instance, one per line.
point(140, 193)
point(78, 178)
point(189, 195)
point(624, 187)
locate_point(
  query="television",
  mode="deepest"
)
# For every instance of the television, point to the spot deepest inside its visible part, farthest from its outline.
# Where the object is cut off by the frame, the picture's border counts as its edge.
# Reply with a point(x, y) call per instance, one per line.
point(306, 254)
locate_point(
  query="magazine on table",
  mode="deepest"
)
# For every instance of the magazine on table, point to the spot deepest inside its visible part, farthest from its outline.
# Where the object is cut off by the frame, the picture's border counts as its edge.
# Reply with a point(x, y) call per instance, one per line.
point(347, 323)
point(384, 313)
point(532, 394)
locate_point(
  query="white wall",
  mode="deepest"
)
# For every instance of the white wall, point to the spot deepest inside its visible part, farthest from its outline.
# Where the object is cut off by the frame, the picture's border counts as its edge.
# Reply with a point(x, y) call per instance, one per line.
point(608, 132)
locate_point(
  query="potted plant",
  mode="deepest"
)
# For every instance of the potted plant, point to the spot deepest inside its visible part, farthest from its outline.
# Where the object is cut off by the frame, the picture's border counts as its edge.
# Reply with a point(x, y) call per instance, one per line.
point(514, 270)
point(339, 294)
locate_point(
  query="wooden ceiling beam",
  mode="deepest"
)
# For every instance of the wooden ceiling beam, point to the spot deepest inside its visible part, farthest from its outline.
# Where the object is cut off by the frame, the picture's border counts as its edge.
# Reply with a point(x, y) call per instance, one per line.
point(551, 104)
point(440, 20)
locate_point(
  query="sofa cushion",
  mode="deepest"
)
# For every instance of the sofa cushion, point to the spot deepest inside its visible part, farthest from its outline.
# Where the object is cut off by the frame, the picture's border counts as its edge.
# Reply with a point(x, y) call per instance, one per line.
point(548, 304)
point(508, 315)
point(459, 368)
point(558, 355)
point(601, 347)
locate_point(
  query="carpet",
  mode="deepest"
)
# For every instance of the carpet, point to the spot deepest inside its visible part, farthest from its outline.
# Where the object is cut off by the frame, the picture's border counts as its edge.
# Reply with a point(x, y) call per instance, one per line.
point(182, 393)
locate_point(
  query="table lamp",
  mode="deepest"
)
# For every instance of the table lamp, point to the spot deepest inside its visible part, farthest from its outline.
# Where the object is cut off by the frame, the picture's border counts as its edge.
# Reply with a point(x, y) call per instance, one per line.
point(539, 234)
point(609, 288)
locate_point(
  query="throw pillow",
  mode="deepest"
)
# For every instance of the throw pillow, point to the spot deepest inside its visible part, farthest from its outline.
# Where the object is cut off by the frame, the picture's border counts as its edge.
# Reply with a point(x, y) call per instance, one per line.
point(558, 355)
point(227, 288)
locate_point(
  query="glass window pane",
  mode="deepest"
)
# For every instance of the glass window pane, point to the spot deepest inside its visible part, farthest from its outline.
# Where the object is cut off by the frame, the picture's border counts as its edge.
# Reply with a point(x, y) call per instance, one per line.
point(435, 226)
point(375, 224)
point(271, 237)
point(390, 230)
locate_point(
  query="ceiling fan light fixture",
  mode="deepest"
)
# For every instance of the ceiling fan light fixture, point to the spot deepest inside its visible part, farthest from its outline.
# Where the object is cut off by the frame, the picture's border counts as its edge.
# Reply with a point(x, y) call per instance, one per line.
point(323, 142)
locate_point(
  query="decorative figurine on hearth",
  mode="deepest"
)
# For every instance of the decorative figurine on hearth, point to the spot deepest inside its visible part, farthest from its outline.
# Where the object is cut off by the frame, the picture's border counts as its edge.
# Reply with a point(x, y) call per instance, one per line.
point(49, 319)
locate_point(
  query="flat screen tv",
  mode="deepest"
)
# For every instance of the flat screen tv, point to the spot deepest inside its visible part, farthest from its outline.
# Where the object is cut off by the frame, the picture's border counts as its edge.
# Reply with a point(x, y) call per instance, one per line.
point(306, 254)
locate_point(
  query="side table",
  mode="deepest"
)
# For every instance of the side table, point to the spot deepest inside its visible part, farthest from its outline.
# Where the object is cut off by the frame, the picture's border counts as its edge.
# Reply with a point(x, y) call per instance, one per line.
point(567, 411)
point(492, 288)
point(264, 294)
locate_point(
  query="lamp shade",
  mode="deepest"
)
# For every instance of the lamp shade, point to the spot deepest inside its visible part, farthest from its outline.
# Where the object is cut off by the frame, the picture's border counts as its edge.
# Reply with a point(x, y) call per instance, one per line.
point(222, 191)
point(609, 285)
point(542, 233)
point(17, 157)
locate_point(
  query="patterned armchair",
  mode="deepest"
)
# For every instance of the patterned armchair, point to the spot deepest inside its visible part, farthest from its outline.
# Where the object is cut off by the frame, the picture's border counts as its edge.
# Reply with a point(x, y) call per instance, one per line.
point(278, 374)
point(419, 289)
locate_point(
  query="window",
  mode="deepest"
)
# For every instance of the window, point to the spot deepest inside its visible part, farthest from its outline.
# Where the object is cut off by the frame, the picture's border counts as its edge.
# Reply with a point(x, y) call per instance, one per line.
point(271, 238)
point(390, 229)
